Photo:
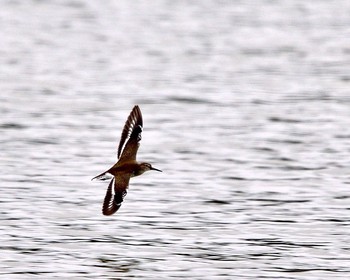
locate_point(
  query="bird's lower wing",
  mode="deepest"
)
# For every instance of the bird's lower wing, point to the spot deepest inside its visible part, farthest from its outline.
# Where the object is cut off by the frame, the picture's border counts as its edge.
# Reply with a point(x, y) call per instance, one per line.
point(112, 202)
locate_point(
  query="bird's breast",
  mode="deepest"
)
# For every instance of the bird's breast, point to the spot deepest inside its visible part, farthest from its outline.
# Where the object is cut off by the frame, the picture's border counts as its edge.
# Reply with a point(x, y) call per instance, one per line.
point(132, 168)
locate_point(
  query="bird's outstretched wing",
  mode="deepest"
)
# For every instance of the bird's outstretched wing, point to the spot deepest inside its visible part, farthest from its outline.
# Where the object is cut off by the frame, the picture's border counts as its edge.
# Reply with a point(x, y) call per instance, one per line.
point(132, 132)
point(112, 202)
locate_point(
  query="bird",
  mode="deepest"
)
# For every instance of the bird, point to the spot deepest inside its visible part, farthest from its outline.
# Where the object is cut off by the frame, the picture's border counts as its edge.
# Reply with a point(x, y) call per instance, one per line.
point(127, 166)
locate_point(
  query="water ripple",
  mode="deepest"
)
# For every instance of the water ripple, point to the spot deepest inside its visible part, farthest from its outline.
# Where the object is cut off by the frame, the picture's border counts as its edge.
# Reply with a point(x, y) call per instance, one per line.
point(245, 109)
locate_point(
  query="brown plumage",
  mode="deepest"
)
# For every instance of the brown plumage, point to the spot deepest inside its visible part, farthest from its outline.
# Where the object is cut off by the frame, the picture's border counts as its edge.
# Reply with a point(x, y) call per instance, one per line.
point(127, 166)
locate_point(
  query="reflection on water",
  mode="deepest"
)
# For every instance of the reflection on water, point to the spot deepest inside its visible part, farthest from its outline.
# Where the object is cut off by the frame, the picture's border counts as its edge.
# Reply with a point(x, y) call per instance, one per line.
point(246, 111)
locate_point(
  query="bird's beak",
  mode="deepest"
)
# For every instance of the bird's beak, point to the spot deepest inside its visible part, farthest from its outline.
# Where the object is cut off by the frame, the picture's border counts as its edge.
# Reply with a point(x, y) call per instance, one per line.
point(152, 168)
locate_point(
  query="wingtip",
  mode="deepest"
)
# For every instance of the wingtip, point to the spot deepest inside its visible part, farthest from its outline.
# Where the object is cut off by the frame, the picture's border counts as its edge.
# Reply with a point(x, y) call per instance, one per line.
point(137, 108)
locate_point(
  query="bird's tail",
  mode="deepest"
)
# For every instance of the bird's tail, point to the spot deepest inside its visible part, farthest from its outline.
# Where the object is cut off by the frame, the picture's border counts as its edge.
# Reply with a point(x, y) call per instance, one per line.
point(109, 204)
point(103, 176)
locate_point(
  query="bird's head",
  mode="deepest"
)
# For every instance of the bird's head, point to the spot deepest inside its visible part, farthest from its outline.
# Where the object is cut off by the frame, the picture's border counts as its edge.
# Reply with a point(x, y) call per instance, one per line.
point(145, 166)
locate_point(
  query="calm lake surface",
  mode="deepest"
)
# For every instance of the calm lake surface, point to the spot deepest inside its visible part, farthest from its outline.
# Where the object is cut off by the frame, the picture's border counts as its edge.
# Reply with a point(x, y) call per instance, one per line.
point(246, 108)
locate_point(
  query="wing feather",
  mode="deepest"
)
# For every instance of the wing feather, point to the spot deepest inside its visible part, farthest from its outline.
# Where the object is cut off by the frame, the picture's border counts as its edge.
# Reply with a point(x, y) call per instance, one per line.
point(112, 202)
point(132, 132)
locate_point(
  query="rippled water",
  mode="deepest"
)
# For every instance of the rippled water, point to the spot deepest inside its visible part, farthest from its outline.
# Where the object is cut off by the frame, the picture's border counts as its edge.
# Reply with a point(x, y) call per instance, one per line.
point(246, 110)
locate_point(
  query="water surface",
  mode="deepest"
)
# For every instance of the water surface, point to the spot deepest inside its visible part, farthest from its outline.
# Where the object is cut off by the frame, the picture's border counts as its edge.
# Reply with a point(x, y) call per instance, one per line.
point(246, 110)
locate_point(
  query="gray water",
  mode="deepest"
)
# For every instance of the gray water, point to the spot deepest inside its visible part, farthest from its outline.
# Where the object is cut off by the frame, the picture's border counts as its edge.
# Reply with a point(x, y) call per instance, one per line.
point(246, 108)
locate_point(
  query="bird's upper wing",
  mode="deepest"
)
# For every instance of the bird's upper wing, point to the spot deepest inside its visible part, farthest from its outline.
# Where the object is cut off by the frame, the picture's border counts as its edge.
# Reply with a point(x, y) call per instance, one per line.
point(132, 130)
point(112, 202)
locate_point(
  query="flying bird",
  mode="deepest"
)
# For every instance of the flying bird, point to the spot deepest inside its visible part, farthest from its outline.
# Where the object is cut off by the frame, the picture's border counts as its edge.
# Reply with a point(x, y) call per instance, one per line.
point(126, 166)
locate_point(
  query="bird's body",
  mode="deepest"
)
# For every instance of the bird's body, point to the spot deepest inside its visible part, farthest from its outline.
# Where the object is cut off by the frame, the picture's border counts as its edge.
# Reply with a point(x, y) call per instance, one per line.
point(127, 166)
